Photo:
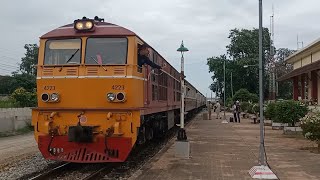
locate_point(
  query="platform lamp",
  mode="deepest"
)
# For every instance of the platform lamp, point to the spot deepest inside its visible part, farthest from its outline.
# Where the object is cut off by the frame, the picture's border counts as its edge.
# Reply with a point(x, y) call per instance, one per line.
point(182, 136)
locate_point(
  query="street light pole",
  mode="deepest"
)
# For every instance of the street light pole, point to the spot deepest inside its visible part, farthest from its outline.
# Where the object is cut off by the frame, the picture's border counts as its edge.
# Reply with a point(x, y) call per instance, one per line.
point(224, 89)
point(263, 171)
point(224, 121)
point(182, 136)
point(262, 158)
point(182, 145)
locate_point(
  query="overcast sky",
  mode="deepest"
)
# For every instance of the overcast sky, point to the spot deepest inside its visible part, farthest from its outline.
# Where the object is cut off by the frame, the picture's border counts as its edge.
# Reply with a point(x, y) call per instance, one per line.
point(202, 24)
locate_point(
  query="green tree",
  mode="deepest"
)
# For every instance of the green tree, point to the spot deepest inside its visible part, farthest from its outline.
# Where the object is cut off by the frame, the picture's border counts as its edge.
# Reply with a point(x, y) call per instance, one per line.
point(242, 50)
point(30, 59)
point(282, 68)
point(244, 95)
point(26, 81)
point(24, 98)
point(6, 85)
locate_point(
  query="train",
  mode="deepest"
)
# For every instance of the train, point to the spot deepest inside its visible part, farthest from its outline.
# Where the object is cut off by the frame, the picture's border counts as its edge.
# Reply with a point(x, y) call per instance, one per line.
point(95, 103)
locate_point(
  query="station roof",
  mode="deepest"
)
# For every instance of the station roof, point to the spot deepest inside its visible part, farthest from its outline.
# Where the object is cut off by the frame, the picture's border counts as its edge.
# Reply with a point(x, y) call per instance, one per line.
point(314, 46)
point(301, 70)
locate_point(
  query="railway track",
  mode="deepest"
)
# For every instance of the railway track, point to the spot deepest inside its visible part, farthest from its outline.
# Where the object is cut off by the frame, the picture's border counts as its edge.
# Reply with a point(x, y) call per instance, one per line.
point(45, 174)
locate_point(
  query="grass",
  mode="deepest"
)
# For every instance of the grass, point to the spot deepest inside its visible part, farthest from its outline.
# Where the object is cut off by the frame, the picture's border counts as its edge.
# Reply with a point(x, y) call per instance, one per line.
point(8, 104)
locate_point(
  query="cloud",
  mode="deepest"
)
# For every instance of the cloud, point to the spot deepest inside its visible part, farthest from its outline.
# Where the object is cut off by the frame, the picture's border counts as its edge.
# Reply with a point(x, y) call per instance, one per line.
point(203, 25)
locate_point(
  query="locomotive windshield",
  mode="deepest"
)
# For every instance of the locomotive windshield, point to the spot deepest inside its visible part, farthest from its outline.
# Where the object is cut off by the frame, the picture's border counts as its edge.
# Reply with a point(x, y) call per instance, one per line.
point(65, 51)
point(106, 51)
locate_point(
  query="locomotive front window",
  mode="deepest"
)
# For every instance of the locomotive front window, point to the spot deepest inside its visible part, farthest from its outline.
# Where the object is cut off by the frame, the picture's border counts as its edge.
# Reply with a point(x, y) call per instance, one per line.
point(106, 51)
point(63, 51)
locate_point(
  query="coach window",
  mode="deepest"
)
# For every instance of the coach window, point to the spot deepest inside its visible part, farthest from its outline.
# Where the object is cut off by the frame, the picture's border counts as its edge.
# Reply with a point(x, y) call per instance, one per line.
point(106, 51)
point(63, 51)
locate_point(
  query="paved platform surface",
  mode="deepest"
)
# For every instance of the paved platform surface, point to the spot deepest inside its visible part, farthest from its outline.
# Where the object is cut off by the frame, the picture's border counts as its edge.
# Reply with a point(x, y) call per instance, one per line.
point(15, 146)
point(228, 151)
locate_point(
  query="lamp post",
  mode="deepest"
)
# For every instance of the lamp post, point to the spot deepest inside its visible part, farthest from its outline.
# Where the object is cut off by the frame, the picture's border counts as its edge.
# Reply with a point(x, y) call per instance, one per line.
point(246, 66)
point(182, 145)
point(262, 171)
point(224, 121)
point(182, 136)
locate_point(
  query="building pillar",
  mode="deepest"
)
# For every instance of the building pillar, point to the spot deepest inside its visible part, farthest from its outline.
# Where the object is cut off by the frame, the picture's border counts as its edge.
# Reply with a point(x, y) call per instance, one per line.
point(295, 88)
point(303, 85)
point(314, 90)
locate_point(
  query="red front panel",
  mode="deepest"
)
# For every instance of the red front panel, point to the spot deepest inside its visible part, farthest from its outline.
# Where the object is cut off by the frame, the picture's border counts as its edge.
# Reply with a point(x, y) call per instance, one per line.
point(111, 149)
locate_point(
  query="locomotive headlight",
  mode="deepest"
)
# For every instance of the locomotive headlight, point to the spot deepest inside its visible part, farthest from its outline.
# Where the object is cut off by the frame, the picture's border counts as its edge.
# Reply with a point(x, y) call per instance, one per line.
point(79, 25)
point(54, 97)
point(111, 96)
point(84, 25)
point(89, 25)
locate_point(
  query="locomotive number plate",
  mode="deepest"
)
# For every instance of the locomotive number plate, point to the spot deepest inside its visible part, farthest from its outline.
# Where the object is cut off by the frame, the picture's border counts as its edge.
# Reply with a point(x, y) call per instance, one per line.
point(49, 87)
point(118, 87)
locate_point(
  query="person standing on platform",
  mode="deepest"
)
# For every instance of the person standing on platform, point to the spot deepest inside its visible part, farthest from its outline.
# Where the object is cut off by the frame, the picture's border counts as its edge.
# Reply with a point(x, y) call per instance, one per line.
point(238, 110)
point(234, 109)
point(218, 109)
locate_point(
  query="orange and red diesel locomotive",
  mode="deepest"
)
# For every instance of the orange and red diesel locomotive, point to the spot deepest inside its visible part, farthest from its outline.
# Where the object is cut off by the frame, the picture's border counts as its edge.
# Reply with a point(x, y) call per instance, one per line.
point(94, 101)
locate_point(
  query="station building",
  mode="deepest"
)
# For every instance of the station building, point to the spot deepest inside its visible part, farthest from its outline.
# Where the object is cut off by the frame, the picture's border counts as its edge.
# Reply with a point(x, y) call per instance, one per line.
point(305, 74)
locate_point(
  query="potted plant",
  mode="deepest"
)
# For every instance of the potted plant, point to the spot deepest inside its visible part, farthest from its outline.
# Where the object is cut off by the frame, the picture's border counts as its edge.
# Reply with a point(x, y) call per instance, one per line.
point(310, 125)
point(289, 113)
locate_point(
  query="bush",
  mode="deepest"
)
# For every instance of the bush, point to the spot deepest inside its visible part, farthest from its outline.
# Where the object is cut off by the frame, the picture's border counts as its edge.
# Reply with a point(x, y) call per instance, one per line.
point(24, 98)
point(229, 102)
point(311, 128)
point(289, 112)
point(255, 109)
point(245, 106)
point(270, 111)
point(8, 103)
point(244, 95)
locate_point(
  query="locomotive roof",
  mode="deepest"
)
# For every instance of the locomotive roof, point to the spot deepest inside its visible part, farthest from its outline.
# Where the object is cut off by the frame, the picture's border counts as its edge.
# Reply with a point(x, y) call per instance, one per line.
point(101, 28)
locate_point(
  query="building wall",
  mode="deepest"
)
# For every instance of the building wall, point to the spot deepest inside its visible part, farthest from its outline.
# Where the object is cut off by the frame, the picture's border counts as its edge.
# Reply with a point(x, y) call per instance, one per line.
point(296, 64)
point(12, 119)
point(316, 56)
point(306, 60)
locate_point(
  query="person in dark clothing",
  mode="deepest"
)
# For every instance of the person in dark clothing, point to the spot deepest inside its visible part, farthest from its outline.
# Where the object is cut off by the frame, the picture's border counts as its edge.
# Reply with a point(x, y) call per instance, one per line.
point(144, 59)
point(238, 111)
point(234, 109)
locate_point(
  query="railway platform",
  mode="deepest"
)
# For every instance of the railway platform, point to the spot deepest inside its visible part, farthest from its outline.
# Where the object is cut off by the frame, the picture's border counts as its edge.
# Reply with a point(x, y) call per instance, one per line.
point(228, 151)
